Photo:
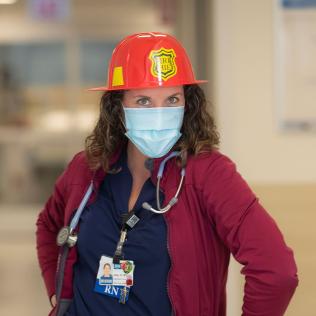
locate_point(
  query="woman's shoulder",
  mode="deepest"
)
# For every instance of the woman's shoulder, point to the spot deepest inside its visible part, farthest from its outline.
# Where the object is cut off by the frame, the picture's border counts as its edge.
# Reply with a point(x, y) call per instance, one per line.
point(80, 158)
point(206, 159)
point(78, 170)
point(209, 164)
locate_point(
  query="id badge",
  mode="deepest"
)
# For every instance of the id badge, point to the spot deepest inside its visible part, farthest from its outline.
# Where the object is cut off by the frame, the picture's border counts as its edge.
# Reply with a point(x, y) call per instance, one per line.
point(115, 280)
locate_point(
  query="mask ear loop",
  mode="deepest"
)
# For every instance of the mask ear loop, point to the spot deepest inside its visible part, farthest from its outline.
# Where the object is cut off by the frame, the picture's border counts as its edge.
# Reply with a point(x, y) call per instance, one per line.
point(122, 118)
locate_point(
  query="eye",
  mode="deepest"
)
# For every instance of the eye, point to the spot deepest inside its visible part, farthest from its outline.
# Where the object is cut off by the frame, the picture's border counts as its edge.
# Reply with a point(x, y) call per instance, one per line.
point(143, 101)
point(173, 100)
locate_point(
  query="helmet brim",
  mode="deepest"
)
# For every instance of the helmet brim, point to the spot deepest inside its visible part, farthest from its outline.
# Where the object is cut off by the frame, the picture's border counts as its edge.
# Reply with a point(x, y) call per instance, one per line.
point(140, 87)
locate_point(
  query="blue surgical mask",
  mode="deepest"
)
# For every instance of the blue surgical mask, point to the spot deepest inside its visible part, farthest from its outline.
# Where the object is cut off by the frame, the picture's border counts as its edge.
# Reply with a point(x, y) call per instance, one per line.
point(154, 130)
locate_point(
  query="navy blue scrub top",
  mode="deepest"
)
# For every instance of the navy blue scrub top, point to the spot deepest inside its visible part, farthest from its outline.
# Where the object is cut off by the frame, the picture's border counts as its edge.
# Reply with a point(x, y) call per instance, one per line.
point(146, 244)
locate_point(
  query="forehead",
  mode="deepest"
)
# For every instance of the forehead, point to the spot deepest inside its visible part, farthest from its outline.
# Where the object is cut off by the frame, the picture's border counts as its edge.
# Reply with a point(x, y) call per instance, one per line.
point(153, 92)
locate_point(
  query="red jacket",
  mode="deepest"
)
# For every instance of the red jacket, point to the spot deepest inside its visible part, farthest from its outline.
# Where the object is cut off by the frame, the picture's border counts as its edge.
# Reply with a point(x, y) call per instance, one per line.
point(217, 214)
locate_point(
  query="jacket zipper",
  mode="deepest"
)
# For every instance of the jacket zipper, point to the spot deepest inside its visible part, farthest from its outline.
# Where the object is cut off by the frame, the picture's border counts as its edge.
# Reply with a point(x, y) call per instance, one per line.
point(173, 313)
point(60, 276)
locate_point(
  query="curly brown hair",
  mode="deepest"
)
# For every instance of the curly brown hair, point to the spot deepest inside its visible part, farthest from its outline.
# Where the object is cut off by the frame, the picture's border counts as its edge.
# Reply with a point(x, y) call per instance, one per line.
point(198, 130)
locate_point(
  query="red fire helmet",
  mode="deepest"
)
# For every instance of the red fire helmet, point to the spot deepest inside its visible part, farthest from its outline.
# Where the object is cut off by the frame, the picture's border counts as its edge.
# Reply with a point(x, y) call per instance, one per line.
point(148, 60)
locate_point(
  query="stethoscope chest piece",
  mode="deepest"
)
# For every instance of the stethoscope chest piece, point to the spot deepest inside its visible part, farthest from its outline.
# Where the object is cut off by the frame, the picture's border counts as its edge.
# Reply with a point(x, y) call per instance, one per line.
point(65, 236)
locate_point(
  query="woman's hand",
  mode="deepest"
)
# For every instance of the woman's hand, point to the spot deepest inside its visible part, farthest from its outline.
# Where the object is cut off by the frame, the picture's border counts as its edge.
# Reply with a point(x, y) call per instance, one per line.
point(53, 300)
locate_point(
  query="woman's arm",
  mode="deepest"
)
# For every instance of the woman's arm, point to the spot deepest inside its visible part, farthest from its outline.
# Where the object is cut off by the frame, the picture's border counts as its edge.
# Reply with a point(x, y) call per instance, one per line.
point(253, 238)
point(49, 222)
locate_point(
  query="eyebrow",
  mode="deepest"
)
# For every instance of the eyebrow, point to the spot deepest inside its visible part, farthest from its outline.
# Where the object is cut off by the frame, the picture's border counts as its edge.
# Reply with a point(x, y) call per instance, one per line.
point(177, 93)
point(141, 96)
point(146, 96)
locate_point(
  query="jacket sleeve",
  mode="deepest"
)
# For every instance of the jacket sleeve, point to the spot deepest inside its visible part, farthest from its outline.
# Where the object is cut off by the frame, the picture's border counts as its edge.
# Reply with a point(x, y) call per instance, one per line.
point(253, 238)
point(49, 221)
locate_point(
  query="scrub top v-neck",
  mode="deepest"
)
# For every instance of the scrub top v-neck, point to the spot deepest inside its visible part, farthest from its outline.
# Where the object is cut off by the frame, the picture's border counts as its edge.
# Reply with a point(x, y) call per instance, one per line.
point(146, 245)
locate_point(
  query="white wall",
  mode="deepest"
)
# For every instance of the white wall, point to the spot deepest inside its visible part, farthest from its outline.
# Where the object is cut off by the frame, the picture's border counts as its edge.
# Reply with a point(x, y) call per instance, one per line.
point(245, 97)
point(281, 167)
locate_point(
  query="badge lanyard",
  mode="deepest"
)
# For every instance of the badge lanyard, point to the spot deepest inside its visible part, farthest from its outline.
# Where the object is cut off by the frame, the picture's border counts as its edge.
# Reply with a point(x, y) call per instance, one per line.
point(129, 221)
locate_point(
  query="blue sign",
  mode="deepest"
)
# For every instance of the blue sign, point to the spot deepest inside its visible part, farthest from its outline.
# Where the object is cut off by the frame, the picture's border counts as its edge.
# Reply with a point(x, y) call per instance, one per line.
point(298, 4)
point(49, 9)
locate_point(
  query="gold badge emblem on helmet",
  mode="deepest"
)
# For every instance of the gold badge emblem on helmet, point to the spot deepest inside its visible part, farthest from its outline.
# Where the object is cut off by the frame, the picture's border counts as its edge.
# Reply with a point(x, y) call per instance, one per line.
point(163, 65)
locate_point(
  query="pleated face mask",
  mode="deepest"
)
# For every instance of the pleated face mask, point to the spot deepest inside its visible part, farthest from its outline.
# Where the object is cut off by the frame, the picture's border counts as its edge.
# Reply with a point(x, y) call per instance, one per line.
point(154, 131)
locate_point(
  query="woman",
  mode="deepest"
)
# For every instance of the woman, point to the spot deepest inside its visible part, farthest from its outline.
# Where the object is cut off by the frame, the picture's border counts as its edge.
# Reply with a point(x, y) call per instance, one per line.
point(167, 239)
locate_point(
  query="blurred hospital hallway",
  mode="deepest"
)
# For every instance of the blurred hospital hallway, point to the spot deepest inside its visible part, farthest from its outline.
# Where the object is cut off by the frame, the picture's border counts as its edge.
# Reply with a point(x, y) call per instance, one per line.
point(259, 59)
point(22, 291)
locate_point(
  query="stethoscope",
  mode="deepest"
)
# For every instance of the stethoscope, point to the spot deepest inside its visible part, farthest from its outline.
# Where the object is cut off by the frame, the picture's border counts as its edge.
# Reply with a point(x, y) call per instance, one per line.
point(67, 235)
point(174, 200)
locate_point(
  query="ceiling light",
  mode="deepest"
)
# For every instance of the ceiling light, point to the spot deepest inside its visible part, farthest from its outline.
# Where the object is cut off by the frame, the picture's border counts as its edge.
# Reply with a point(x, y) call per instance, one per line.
point(7, 1)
